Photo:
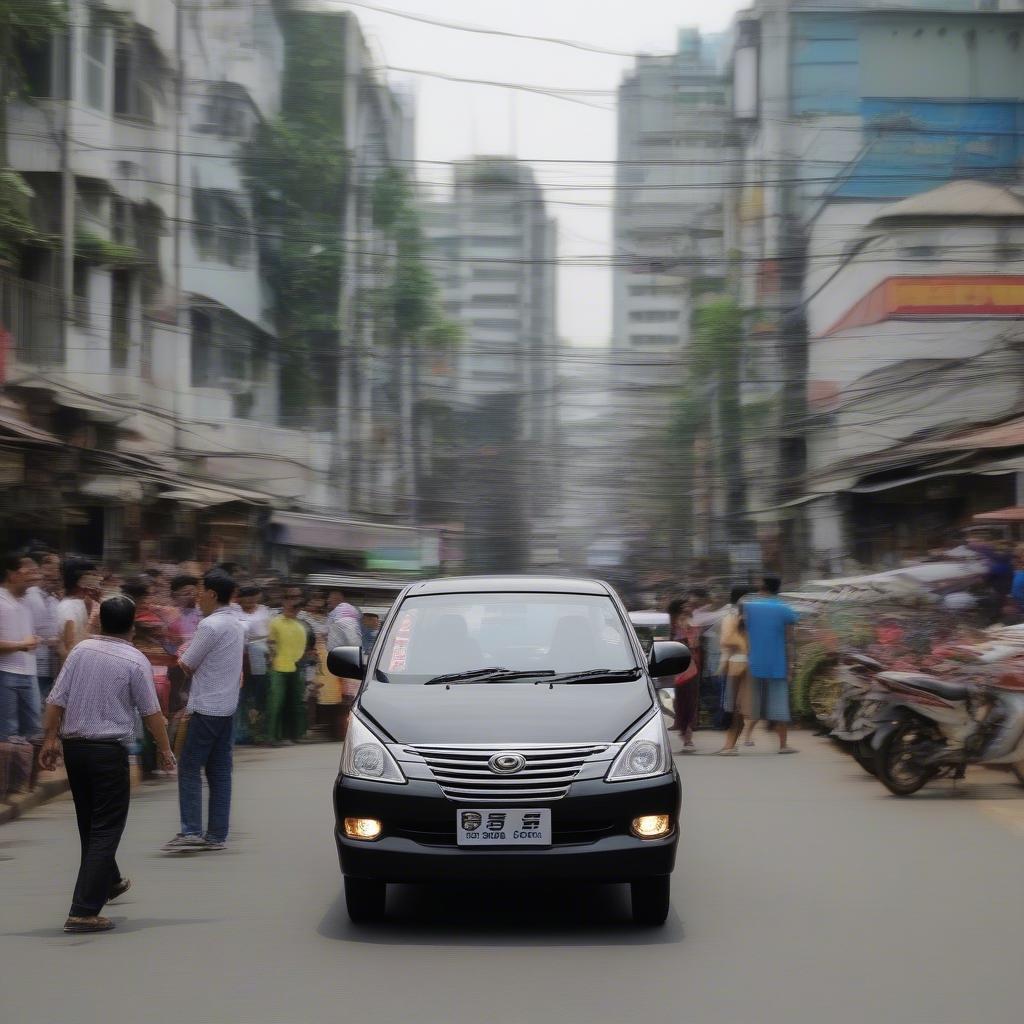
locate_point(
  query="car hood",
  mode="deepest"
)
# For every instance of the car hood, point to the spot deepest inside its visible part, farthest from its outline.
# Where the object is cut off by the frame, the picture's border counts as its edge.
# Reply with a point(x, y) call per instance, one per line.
point(504, 713)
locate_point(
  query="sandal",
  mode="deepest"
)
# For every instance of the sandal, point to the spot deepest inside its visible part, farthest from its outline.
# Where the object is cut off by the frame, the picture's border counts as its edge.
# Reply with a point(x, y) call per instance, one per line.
point(81, 925)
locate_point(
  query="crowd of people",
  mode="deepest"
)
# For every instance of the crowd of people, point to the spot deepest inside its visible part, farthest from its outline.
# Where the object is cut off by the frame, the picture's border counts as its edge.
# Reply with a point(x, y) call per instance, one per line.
point(741, 654)
point(49, 604)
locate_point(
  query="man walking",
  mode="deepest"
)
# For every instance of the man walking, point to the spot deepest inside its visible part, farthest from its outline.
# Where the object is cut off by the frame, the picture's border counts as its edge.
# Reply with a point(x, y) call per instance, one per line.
point(213, 663)
point(92, 706)
point(19, 694)
point(288, 640)
point(768, 620)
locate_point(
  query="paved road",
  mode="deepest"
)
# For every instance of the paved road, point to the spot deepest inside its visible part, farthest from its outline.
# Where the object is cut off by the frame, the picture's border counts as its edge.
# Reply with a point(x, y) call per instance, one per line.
point(803, 893)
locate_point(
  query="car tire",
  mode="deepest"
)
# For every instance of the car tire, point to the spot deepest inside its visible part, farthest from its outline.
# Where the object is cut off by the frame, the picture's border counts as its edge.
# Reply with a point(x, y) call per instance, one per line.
point(365, 899)
point(651, 898)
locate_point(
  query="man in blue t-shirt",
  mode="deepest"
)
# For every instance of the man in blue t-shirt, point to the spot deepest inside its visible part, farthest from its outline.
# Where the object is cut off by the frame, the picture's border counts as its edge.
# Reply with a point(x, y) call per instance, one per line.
point(768, 619)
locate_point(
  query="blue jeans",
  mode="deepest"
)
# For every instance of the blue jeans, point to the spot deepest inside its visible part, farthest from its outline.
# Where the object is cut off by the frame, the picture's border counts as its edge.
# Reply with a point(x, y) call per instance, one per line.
point(19, 706)
point(208, 745)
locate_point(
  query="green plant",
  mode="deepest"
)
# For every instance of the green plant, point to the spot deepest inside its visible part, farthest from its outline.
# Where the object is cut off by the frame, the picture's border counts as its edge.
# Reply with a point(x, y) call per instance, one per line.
point(95, 249)
point(16, 227)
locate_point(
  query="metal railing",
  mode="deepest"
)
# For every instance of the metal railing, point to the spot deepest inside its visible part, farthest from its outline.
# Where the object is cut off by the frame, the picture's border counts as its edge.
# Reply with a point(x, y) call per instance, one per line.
point(31, 314)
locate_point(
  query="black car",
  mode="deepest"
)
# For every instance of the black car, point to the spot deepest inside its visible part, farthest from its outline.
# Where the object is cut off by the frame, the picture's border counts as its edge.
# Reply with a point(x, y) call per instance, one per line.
point(507, 728)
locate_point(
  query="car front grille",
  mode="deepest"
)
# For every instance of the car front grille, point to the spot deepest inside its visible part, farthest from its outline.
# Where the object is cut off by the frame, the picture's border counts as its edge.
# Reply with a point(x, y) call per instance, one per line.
point(464, 775)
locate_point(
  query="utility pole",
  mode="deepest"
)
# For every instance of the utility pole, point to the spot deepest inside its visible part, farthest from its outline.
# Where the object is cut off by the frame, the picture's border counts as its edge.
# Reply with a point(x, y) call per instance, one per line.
point(67, 183)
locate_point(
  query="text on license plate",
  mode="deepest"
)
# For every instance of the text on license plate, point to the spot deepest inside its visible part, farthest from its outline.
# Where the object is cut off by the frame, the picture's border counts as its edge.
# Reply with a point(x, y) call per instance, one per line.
point(503, 826)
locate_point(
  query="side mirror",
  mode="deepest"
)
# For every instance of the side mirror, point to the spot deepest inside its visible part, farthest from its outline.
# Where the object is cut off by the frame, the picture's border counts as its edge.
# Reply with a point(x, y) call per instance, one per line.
point(668, 658)
point(346, 662)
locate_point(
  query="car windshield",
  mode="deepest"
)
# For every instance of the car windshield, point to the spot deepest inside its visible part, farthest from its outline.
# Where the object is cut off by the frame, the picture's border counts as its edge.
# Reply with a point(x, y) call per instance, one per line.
point(444, 634)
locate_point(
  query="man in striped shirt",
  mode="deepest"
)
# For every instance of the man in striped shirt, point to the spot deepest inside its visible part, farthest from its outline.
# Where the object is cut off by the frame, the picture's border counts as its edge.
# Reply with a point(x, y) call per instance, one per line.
point(213, 662)
point(91, 707)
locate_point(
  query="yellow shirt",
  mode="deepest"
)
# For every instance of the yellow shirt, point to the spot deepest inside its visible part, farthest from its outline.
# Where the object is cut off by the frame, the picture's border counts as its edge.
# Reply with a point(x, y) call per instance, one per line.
point(289, 639)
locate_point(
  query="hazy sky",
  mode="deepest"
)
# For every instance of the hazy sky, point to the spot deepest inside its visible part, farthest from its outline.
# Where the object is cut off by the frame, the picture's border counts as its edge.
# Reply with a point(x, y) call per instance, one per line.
point(456, 120)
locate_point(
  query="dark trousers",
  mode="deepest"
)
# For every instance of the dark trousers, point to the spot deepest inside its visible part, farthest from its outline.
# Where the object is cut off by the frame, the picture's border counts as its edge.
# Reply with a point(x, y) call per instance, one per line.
point(208, 746)
point(685, 704)
point(101, 787)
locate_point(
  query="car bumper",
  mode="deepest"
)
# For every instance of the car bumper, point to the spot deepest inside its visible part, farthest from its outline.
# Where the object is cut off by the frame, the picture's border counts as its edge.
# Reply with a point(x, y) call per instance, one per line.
point(590, 825)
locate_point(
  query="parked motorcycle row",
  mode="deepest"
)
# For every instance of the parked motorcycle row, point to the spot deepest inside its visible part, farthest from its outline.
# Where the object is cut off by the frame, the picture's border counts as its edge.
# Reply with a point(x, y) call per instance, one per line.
point(909, 728)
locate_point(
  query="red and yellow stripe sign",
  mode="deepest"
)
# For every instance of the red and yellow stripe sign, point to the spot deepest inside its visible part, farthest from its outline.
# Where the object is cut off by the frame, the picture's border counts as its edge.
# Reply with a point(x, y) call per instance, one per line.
point(959, 296)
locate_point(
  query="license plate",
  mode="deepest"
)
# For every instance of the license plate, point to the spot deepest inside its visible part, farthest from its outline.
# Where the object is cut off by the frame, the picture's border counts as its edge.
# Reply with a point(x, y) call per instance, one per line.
point(503, 826)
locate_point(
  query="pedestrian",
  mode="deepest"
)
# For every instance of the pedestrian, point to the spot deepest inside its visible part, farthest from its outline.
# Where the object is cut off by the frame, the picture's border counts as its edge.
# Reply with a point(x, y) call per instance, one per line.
point(44, 602)
point(706, 615)
point(687, 693)
point(289, 641)
point(253, 703)
point(740, 693)
point(344, 629)
point(75, 612)
point(370, 631)
point(768, 620)
point(19, 692)
point(150, 637)
point(323, 690)
point(213, 663)
point(90, 714)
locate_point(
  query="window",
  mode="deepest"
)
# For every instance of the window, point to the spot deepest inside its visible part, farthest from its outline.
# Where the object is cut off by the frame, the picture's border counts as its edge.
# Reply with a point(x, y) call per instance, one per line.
point(495, 274)
point(220, 228)
point(122, 227)
point(510, 299)
point(202, 348)
point(95, 65)
point(654, 339)
point(45, 67)
point(654, 316)
point(496, 324)
point(453, 632)
point(497, 241)
point(136, 78)
point(226, 111)
point(919, 252)
point(81, 288)
point(646, 291)
point(222, 350)
point(120, 318)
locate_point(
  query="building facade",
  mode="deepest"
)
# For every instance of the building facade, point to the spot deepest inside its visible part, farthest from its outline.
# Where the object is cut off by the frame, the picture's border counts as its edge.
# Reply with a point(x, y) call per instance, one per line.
point(840, 105)
point(494, 247)
point(142, 327)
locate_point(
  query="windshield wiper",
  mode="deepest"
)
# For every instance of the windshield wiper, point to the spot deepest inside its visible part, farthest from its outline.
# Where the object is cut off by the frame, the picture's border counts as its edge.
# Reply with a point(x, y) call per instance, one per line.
point(488, 675)
point(597, 675)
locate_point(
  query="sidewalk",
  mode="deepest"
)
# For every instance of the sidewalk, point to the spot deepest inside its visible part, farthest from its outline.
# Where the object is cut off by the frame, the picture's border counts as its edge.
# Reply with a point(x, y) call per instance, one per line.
point(49, 786)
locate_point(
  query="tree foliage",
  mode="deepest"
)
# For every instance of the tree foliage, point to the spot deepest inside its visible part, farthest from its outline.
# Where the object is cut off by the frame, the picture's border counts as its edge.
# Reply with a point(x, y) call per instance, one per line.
point(22, 22)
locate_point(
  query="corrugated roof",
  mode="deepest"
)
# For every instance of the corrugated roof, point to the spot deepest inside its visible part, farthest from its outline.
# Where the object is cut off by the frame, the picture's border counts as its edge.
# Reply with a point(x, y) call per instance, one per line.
point(957, 199)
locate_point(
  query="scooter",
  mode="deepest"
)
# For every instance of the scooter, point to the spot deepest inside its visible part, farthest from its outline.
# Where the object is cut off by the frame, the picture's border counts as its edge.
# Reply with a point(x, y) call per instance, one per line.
point(929, 728)
point(855, 716)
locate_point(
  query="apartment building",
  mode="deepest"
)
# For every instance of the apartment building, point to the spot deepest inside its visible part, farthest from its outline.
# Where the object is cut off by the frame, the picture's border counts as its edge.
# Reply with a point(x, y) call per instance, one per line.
point(143, 348)
point(494, 249)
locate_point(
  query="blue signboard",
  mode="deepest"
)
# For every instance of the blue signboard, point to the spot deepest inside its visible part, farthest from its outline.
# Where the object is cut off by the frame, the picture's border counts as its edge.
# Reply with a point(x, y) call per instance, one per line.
point(916, 145)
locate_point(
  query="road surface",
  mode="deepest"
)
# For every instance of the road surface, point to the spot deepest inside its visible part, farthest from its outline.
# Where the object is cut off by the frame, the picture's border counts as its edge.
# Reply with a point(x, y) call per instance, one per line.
point(803, 892)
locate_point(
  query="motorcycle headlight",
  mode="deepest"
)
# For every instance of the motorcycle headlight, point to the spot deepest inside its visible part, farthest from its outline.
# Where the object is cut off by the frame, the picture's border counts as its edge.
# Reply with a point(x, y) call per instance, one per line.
point(646, 753)
point(364, 756)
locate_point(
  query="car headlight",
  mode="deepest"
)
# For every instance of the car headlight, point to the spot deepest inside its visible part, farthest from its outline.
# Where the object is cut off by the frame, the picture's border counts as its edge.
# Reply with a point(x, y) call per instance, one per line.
point(646, 753)
point(364, 756)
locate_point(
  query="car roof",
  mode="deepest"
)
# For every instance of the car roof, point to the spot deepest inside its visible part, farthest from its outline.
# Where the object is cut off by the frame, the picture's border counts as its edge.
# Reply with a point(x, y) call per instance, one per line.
point(508, 585)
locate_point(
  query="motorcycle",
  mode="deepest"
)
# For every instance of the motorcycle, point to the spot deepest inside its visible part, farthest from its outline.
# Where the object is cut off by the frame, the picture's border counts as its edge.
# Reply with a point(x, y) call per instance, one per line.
point(928, 728)
point(855, 716)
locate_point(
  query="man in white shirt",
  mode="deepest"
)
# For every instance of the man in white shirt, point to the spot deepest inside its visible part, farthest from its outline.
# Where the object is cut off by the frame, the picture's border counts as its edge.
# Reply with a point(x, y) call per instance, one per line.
point(213, 661)
point(19, 695)
point(74, 613)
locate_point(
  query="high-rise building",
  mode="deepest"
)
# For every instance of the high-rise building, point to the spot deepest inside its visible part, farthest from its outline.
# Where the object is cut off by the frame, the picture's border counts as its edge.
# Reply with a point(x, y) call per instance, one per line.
point(674, 137)
point(494, 250)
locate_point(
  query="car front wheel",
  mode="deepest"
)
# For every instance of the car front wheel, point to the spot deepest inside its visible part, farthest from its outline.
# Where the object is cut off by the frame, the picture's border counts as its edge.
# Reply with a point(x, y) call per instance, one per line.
point(364, 899)
point(651, 898)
